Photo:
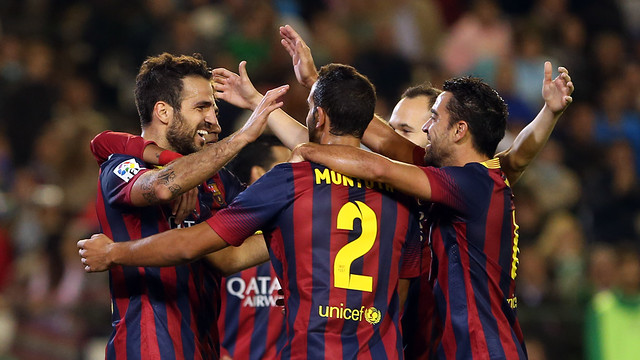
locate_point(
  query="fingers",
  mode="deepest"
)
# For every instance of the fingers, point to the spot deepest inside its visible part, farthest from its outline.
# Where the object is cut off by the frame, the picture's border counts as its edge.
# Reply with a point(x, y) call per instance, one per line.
point(222, 72)
point(242, 69)
point(80, 244)
point(547, 71)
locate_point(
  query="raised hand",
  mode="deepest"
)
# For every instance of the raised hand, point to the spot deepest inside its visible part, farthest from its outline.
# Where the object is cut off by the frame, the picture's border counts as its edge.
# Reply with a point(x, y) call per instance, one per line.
point(258, 120)
point(94, 253)
point(557, 92)
point(236, 89)
point(300, 53)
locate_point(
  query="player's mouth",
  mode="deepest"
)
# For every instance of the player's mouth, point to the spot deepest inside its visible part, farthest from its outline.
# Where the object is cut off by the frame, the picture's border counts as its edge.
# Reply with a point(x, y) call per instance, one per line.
point(207, 137)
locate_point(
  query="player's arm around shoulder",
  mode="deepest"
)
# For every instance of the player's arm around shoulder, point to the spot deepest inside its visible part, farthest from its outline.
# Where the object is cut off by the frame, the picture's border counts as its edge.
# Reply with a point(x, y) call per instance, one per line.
point(367, 165)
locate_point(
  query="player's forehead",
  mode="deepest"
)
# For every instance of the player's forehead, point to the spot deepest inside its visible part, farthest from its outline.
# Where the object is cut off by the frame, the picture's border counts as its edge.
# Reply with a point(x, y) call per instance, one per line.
point(196, 89)
point(440, 105)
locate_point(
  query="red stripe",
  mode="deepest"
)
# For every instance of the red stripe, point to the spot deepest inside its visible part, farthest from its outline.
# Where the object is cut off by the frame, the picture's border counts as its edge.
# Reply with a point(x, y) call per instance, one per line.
point(274, 326)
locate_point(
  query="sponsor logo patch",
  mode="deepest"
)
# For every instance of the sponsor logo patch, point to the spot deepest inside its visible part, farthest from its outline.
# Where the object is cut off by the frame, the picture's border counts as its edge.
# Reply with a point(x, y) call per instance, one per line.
point(127, 169)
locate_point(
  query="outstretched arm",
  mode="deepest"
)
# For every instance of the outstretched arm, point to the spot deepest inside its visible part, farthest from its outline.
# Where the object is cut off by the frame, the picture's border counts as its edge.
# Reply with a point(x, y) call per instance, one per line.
point(557, 97)
point(367, 165)
point(168, 248)
point(162, 185)
point(239, 91)
point(382, 139)
point(173, 247)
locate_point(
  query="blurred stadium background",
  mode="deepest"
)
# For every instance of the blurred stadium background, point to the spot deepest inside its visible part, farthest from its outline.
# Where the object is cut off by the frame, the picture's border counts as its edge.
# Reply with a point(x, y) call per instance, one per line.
point(67, 70)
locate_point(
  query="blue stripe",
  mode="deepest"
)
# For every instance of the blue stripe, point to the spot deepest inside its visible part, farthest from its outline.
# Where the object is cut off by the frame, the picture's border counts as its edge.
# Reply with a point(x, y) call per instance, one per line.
point(157, 297)
point(289, 248)
point(457, 291)
point(133, 285)
point(134, 311)
point(478, 266)
point(232, 318)
point(182, 301)
point(260, 331)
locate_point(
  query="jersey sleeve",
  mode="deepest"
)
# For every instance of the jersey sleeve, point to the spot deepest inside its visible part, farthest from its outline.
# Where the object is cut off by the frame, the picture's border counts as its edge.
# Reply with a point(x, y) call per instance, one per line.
point(445, 186)
point(411, 257)
point(254, 208)
point(418, 156)
point(112, 142)
point(117, 176)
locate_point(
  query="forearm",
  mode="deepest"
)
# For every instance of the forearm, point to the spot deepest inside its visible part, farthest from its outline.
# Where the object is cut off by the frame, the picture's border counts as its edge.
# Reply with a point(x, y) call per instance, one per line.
point(365, 165)
point(528, 144)
point(185, 173)
point(291, 132)
point(231, 260)
point(382, 139)
point(169, 248)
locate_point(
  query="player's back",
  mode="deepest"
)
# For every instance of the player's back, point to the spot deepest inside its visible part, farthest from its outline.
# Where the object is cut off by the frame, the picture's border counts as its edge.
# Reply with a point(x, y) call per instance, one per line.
point(337, 247)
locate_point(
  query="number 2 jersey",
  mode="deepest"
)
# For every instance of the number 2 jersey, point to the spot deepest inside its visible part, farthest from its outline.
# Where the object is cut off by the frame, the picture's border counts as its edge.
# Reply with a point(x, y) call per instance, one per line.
point(339, 246)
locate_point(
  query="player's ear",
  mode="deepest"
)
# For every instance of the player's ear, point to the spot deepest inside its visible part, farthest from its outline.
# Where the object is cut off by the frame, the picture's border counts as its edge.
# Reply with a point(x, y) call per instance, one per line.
point(461, 130)
point(256, 172)
point(163, 111)
point(321, 117)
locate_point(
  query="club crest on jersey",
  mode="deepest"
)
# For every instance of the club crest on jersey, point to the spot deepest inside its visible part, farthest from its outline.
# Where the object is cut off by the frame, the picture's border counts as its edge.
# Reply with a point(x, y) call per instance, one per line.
point(217, 194)
point(127, 169)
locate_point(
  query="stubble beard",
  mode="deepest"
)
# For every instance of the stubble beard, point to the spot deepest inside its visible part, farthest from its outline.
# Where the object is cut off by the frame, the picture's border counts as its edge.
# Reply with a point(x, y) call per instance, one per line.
point(179, 137)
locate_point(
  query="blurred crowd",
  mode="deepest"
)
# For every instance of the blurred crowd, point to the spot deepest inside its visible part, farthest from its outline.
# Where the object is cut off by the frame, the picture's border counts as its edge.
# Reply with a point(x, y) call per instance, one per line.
point(67, 69)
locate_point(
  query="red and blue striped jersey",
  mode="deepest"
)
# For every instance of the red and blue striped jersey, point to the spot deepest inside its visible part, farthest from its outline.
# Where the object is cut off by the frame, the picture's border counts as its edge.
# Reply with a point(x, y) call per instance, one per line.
point(475, 242)
point(159, 313)
point(420, 328)
point(251, 325)
point(336, 244)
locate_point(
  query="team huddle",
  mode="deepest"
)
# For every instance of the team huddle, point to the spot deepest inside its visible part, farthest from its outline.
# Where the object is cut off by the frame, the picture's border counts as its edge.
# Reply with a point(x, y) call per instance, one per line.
point(409, 250)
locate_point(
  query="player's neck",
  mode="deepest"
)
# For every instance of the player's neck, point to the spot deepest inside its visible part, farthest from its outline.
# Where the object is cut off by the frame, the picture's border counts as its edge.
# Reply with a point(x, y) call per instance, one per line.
point(154, 134)
point(328, 138)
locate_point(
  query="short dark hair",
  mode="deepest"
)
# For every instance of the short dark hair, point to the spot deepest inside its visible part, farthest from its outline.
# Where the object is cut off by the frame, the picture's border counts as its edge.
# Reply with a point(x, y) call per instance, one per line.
point(424, 89)
point(160, 79)
point(482, 108)
point(348, 98)
point(257, 153)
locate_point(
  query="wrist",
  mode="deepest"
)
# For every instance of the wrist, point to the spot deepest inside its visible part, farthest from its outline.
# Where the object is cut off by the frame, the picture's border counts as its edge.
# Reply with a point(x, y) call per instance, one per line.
point(310, 81)
point(114, 255)
point(255, 101)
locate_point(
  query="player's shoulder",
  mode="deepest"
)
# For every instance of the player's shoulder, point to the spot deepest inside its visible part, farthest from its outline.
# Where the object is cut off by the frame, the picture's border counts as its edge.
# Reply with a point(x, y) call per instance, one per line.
point(123, 166)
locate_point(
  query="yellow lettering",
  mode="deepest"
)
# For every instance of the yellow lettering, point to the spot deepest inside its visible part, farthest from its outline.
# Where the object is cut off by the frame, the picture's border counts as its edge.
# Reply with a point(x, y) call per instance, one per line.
point(347, 181)
point(326, 311)
point(515, 261)
point(336, 178)
point(322, 176)
point(347, 317)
